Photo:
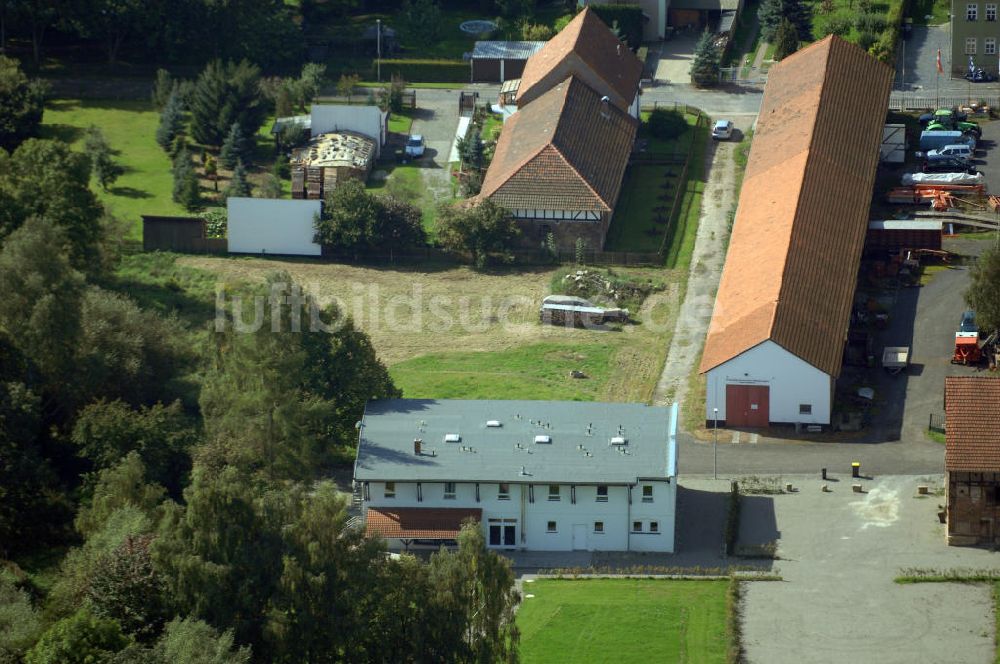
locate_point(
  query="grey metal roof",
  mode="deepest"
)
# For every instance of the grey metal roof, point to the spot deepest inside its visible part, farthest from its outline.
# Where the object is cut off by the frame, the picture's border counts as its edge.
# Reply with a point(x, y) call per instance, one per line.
point(304, 120)
point(580, 450)
point(506, 50)
point(904, 225)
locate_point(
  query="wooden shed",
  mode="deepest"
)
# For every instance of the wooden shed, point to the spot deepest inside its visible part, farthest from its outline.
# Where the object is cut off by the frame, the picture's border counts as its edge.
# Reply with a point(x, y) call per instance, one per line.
point(183, 234)
point(499, 61)
point(895, 234)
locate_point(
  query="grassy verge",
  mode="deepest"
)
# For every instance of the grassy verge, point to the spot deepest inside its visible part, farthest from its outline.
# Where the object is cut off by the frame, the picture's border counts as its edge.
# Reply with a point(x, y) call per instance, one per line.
point(400, 123)
point(954, 575)
point(938, 10)
point(936, 436)
point(653, 620)
point(130, 128)
point(738, 53)
point(684, 229)
point(734, 621)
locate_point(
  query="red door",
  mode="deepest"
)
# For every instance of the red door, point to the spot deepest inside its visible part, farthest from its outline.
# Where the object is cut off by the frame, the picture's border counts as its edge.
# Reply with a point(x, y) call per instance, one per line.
point(747, 405)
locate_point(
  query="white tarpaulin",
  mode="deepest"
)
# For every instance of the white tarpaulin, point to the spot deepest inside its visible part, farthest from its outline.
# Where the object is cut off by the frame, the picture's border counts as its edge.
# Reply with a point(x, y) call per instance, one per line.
point(942, 178)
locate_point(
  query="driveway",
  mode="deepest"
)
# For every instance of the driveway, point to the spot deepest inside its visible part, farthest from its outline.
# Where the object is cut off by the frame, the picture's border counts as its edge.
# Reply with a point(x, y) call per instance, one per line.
point(674, 58)
point(436, 119)
point(839, 553)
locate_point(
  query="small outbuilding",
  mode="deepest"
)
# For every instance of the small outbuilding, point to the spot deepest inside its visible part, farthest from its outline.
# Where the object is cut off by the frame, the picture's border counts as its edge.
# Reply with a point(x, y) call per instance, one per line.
point(972, 459)
point(499, 61)
point(328, 160)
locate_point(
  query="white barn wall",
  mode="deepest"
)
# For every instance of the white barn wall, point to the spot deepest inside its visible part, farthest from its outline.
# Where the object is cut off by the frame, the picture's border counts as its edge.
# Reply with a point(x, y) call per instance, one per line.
point(533, 518)
point(272, 226)
point(367, 120)
point(792, 381)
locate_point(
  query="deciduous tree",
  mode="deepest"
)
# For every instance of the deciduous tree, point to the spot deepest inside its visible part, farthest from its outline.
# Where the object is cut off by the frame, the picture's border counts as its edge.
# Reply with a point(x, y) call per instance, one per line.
point(486, 230)
point(80, 639)
point(102, 164)
point(983, 294)
point(21, 104)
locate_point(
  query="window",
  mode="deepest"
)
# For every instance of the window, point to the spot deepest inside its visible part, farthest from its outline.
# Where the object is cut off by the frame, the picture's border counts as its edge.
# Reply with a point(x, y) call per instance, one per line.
point(991, 11)
point(390, 490)
point(654, 526)
point(970, 45)
point(551, 528)
point(971, 12)
point(503, 492)
point(805, 409)
point(602, 493)
point(449, 490)
point(647, 493)
point(990, 46)
point(553, 492)
point(637, 526)
point(598, 526)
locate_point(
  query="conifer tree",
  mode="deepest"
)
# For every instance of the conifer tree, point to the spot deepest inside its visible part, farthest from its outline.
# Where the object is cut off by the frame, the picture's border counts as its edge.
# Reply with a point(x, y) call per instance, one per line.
point(705, 65)
point(786, 40)
point(234, 148)
point(238, 185)
point(171, 121)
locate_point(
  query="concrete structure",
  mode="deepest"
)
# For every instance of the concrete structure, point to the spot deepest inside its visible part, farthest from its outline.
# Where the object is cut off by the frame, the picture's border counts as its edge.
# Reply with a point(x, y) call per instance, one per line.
point(718, 16)
point(499, 61)
point(975, 33)
point(972, 459)
point(538, 475)
point(776, 340)
point(272, 226)
point(328, 159)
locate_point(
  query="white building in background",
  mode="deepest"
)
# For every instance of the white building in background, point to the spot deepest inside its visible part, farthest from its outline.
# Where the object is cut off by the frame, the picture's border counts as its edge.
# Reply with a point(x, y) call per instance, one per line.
point(273, 226)
point(370, 121)
point(538, 475)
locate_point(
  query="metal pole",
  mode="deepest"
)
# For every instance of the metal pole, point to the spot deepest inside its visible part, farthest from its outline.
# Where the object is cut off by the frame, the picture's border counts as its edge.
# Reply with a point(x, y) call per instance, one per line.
point(378, 42)
point(715, 446)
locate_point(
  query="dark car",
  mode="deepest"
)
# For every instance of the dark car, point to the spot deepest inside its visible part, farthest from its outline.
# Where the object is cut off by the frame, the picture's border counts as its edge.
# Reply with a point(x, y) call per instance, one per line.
point(949, 165)
point(968, 323)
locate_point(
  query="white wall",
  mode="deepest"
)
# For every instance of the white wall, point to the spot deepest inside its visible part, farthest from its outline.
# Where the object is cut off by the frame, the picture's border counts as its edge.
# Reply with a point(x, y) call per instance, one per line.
point(367, 120)
point(792, 381)
point(272, 226)
point(533, 517)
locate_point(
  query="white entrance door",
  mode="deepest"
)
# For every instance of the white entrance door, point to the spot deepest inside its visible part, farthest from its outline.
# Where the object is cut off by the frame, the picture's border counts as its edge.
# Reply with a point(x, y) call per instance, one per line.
point(579, 537)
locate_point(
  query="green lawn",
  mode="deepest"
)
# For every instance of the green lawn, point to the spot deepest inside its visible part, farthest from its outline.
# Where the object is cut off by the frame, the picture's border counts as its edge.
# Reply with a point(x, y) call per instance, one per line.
point(623, 621)
point(400, 123)
point(938, 10)
point(404, 181)
point(130, 127)
point(538, 371)
point(648, 187)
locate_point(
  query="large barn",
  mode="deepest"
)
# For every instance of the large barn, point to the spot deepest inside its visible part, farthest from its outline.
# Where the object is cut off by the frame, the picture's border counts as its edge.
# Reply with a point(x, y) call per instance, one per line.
point(775, 343)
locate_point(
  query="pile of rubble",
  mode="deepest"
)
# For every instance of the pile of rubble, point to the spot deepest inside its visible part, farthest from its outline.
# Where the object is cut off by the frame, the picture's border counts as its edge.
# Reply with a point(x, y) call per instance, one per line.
point(606, 290)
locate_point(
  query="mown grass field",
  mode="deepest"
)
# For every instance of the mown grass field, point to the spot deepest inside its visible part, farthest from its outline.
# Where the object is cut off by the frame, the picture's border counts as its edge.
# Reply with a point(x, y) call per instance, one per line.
point(130, 128)
point(648, 187)
point(452, 332)
point(623, 620)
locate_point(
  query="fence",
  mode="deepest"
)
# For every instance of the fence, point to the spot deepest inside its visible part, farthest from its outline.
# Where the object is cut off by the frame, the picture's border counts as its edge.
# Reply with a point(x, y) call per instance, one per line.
point(935, 423)
point(521, 257)
point(680, 193)
point(361, 94)
point(904, 102)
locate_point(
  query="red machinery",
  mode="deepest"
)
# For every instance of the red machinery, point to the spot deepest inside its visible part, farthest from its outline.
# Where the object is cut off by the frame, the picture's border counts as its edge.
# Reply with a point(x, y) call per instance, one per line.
point(967, 350)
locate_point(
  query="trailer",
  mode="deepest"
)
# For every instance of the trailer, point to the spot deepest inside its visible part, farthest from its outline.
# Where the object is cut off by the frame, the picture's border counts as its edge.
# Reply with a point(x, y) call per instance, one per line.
point(895, 358)
point(967, 350)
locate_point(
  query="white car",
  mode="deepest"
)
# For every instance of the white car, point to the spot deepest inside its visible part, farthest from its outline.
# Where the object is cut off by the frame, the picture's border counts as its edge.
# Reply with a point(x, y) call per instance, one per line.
point(415, 146)
point(722, 130)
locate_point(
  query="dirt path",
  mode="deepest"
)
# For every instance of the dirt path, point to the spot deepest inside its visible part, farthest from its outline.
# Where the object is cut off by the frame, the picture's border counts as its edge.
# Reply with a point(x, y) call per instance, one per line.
point(758, 59)
point(706, 268)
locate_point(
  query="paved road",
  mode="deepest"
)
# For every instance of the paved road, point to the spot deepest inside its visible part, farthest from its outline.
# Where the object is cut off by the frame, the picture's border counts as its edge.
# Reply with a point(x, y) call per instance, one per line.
point(839, 553)
point(436, 120)
point(709, 254)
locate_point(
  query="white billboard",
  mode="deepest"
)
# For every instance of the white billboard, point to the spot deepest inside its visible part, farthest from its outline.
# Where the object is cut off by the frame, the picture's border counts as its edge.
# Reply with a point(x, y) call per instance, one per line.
point(273, 226)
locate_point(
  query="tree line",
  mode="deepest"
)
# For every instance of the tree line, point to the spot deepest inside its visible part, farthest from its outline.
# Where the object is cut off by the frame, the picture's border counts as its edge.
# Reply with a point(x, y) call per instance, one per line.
point(182, 470)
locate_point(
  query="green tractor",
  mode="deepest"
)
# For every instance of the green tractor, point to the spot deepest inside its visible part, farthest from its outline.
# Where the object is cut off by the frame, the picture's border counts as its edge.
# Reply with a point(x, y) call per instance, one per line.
point(945, 119)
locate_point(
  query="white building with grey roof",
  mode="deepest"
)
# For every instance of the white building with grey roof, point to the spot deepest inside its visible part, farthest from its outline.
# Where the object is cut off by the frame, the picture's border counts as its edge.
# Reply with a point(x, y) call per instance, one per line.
point(538, 475)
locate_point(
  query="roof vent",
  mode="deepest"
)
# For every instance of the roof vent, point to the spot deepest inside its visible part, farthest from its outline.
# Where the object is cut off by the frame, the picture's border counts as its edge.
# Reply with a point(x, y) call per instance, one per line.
point(619, 440)
point(543, 439)
point(452, 438)
point(493, 424)
point(416, 446)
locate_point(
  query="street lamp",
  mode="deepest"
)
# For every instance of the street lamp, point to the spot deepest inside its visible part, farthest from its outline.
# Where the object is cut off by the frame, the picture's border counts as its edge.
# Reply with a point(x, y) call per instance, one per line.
point(378, 47)
point(715, 447)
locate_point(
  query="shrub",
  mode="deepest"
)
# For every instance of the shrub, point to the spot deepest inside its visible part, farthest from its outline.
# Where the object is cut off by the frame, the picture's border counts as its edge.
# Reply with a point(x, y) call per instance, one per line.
point(866, 40)
point(562, 22)
point(835, 25)
point(535, 32)
point(666, 123)
point(874, 23)
point(426, 71)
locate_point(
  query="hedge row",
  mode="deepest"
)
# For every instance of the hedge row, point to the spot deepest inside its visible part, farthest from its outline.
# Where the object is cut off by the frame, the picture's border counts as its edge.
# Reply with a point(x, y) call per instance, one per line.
point(425, 71)
point(885, 48)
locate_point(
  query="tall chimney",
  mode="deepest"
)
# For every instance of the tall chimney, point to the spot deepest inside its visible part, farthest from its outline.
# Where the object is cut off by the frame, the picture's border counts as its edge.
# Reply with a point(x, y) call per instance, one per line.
point(416, 446)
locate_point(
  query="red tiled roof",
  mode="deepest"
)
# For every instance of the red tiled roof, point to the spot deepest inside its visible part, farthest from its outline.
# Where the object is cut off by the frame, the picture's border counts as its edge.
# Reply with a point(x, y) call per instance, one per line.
point(586, 47)
point(800, 225)
point(565, 151)
point(418, 522)
point(972, 424)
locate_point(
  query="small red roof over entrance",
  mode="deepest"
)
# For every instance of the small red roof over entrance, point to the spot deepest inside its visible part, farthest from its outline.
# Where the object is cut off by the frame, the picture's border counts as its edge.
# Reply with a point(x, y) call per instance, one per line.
point(418, 522)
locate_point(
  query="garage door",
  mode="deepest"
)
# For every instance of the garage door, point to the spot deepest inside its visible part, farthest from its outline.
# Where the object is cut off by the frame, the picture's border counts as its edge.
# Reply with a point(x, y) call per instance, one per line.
point(747, 405)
